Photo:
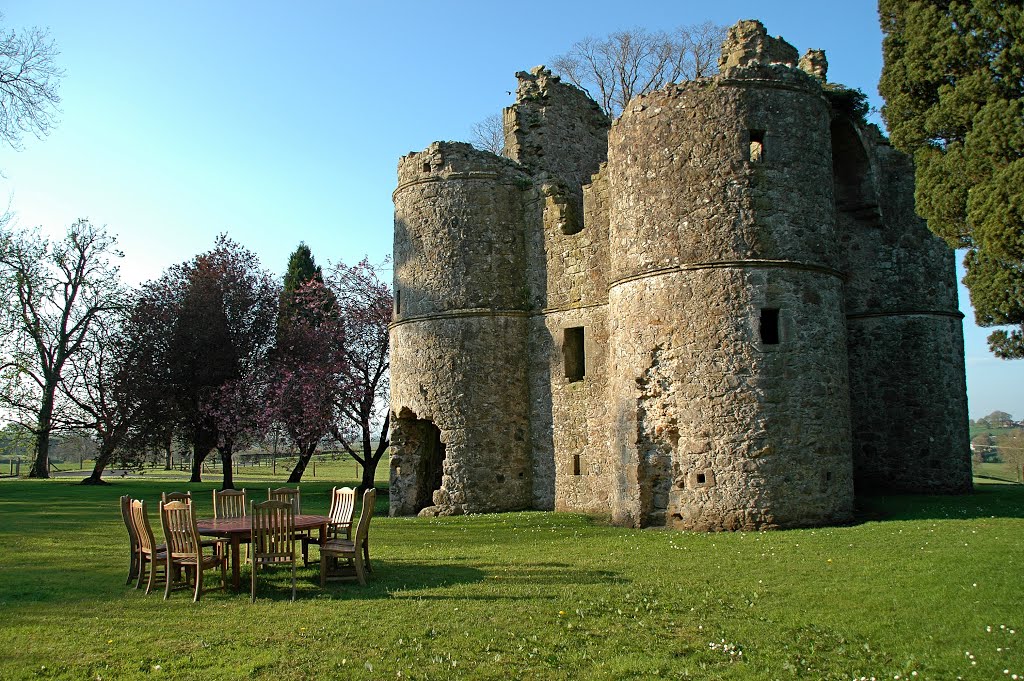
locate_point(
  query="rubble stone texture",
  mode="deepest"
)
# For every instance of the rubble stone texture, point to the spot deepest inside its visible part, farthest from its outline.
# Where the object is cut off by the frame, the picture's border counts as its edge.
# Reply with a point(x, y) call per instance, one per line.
point(718, 312)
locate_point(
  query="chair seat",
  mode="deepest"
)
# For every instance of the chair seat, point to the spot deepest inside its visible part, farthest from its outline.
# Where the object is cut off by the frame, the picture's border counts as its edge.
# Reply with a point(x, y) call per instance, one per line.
point(207, 561)
point(338, 546)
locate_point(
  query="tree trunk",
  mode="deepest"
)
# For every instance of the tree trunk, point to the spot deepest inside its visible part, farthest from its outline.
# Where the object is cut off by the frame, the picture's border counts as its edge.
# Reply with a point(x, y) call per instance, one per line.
point(41, 464)
point(103, 458)
point(373, 458)
point(369, 473)
point(168, 447)
point(225, 463)
point(199, 452)
point(305, 454)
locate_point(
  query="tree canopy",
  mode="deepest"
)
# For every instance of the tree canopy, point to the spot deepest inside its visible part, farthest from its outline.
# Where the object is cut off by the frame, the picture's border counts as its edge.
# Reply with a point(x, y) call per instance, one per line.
point(953, 82)
point(624, 64)
point(29, 78)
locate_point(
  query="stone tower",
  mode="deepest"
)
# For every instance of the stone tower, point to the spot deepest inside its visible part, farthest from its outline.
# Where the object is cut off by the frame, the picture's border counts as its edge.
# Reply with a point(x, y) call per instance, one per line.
point(718, 312)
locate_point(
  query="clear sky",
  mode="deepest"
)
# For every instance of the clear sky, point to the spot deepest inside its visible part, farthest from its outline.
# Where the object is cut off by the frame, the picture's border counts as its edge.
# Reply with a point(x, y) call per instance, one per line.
point(283, 122)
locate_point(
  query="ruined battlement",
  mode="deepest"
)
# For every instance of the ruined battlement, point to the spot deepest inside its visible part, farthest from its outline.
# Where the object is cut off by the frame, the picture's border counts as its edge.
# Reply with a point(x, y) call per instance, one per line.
point(718, 312)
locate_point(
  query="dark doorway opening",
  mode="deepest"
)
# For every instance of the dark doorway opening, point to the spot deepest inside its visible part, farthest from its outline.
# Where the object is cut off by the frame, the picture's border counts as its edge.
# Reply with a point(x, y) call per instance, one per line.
point(431, 465)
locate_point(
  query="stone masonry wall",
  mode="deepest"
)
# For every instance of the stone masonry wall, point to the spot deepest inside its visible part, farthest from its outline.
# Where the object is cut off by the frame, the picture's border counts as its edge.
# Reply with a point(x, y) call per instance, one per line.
point(718, 430)
point(718, 211)
point(459, 340)
point(714, 314)
point(908, 391)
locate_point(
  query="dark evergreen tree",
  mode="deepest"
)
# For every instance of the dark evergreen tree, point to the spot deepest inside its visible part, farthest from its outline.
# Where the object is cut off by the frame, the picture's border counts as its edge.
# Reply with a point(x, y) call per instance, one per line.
point(953, 82)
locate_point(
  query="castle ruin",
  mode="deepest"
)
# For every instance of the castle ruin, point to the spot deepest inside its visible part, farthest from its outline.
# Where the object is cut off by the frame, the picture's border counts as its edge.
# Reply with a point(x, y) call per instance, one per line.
point(717, 312)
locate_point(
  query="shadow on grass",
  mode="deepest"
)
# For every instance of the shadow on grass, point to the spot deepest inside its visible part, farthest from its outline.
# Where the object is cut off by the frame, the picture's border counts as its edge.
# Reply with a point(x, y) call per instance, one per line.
point(989, 500)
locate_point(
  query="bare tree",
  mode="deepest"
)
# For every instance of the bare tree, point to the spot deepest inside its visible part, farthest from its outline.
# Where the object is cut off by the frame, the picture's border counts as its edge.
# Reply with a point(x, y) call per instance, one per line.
point(102, 386)
point(54, 294)
point(28, 84)
point(489, 135)
point(625, 64)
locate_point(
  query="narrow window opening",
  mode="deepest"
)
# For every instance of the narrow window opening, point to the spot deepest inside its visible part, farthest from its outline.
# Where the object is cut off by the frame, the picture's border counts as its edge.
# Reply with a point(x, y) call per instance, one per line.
point(574, 354)
point(426, 166)
point(828, 476)
point(701, 478)
point(770, 326)
point(398, 301)
point(575, 464)
point(756, 146)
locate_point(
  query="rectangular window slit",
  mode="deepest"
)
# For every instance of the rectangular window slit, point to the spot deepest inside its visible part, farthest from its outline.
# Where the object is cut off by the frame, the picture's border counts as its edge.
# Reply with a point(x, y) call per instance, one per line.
point(701, 478)
point(574, 354)
point(756, 146)
point(398, 301)
point(426, 166)
point(770, 326)
point(575, 464)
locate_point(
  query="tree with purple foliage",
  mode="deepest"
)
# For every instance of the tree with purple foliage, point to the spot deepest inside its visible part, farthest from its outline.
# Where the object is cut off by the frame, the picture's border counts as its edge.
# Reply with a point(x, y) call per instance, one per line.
point(308, 360)
point(217, 313)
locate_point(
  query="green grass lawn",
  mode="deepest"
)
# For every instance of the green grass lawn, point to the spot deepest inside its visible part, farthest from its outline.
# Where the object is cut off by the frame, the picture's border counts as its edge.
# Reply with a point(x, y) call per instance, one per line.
point(920, 588)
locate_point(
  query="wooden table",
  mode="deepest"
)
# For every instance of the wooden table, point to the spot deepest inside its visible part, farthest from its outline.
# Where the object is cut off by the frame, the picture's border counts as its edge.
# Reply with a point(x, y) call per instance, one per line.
point(240, 529)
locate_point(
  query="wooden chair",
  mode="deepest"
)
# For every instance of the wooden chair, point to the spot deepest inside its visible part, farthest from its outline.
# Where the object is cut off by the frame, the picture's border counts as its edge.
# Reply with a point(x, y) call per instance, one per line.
point(229, 503)
point(176, 496)
point(289, 494)
point(185, 548)
point(133, 539)
point(149, 552)
point(343, 501)
point(354, 550)
point(273, 537)
point(294, 497)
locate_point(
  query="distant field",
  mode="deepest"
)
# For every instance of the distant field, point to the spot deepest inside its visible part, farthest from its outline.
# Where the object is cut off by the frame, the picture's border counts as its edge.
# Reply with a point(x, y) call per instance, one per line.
point(919, 588)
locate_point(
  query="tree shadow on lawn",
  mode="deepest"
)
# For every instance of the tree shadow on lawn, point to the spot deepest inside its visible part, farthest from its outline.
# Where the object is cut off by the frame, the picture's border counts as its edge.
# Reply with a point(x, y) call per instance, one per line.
point(397, 578)
point(989, 500)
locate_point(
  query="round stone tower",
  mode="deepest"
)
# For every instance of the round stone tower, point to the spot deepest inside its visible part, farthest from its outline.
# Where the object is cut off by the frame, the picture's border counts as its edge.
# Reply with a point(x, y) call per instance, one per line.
point(907, 380)
point(728, 345)
point(459, 402)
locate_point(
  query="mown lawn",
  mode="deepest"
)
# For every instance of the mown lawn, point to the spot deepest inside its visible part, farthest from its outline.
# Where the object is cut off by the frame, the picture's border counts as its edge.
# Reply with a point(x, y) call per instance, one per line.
point(920, 588)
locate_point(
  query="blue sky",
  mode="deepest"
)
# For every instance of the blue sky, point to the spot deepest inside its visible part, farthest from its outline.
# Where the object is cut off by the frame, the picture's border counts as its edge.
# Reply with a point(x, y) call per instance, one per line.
point(283, 122)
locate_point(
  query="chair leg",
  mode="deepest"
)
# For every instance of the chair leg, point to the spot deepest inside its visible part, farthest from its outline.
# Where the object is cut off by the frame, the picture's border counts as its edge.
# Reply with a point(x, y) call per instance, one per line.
point(366, 555)
point(142, 572)
point(199, 582)
point(293, 578)
point(255, 564)
point(133, 567)
point(323, 568)
point(360, 572)
point(171, 577)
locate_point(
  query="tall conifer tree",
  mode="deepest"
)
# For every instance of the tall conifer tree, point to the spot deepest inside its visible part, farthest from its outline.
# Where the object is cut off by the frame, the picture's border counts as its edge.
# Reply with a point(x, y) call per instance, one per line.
point(953, 82)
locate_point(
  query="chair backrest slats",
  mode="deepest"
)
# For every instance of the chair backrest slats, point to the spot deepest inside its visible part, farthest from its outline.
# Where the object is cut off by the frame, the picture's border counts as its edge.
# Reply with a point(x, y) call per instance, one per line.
point(365, 514)
point(229, 503)
point(343, 502)
point(176, 496)
point(273, 528)
point(143, 530)
point(289, 494)
point(180, 530)
point(126, 516)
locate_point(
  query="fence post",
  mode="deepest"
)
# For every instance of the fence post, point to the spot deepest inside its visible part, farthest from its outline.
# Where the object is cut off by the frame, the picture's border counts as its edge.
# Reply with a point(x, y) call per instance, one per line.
point(314, 468)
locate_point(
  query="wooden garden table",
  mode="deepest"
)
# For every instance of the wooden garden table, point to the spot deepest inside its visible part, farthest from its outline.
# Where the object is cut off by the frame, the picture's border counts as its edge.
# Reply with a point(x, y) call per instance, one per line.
point(240, 529)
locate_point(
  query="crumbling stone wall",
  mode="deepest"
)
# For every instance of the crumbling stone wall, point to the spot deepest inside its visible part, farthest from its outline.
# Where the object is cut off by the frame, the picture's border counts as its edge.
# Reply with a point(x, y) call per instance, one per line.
point(666, 322)
point(907, 376)
point(459, 339)
point(728, 429)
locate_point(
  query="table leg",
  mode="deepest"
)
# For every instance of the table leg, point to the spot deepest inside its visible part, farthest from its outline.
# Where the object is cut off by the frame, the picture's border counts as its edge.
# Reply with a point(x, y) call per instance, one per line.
point(236, 569)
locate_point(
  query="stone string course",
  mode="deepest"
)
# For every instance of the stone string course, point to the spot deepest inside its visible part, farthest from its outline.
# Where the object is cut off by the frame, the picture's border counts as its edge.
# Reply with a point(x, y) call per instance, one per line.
point(718, 312)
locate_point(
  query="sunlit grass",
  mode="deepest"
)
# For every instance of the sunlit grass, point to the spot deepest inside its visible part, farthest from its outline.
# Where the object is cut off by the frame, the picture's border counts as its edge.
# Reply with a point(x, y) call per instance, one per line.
point(925, 585)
